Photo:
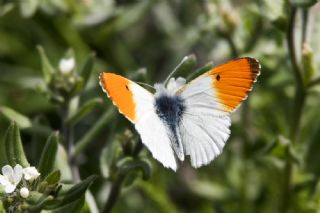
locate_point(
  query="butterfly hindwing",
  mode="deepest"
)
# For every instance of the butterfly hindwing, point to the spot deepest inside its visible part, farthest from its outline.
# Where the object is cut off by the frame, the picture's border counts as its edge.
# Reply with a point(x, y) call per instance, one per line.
point(137, 104)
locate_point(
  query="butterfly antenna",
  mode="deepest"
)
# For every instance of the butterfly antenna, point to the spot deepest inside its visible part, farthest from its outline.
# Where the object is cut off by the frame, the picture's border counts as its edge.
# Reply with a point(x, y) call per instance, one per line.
point(145, 84)
point(175, 69)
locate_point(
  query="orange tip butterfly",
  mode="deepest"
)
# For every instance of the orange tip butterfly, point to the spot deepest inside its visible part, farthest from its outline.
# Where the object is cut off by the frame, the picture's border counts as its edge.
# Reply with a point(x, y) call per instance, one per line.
point(185, 119)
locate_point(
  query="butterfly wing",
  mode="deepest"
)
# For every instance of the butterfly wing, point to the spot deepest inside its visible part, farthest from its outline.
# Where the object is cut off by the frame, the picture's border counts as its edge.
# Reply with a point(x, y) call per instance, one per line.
point(209, 100)
point(137, 104)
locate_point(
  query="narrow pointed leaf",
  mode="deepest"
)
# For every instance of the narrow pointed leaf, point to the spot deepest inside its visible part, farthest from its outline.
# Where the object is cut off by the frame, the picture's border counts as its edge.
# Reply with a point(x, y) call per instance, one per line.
point(47, 159)
point(47, 68)
point(74, 206)
point(37, 200)
point(73, 193)
point(186, 65)
point(128, 165)
point(53, 177)
point(13, 146)
point(199, 71)
point(89, 136)
point(21, 120)
point(312, 156)
point(84, 110)
point(87, 68)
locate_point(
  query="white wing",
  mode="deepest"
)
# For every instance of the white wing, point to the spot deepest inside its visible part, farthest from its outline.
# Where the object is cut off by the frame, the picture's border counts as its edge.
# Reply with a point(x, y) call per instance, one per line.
point(151, 128)
point(137, 104)
point(205, 126)
point(209, 100)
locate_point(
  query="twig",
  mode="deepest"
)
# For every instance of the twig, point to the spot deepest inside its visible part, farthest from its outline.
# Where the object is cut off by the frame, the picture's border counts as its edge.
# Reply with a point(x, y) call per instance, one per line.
point(68, 133)
point(305, 21)
point(298, 104)
point(114, 193)
point(291, 46)
point(116, 186)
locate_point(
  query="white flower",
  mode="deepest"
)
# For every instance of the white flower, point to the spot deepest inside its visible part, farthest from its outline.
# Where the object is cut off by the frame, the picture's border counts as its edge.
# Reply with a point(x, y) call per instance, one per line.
point(10, 178)
point(66, 65)
point(30, 173)
point(24, 192)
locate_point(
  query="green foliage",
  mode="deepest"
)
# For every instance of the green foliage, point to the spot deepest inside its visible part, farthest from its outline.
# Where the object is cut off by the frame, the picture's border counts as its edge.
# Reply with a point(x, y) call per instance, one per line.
point(270, 162)
point(46, 192)
point(13, 147)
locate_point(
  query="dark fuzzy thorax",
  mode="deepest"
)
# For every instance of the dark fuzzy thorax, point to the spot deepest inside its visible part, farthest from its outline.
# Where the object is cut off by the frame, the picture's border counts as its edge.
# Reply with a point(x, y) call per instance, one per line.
point(170, 109)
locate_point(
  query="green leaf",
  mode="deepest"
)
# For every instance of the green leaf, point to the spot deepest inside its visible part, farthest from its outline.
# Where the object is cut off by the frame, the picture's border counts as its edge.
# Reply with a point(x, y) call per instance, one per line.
point(87, 68)
point(83, 111)
point(47, 68)
point(89, 136)
point(312, 157)
point(28, 7)
point(74, 206)
point(199, 71)
point(53, 177)
point(13, 146)
point(127, 165)
point(62, 164)
point(186, 65)
point(48, 155)
point(72, 194)
point(21, 120)
point(37, 200)
point(303, 3)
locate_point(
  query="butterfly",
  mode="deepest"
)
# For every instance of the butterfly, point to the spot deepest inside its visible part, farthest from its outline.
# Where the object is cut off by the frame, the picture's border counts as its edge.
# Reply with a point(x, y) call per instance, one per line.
point(182, 119)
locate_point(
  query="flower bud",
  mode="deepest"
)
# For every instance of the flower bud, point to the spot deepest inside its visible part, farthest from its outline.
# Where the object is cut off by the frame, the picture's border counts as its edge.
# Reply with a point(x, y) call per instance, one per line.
point(24, 192)
point(66, 65)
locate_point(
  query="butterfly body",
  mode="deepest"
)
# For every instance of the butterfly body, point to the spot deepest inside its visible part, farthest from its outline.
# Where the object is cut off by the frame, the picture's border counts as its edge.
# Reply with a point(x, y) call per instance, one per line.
point(185, 119)
point(170, 109)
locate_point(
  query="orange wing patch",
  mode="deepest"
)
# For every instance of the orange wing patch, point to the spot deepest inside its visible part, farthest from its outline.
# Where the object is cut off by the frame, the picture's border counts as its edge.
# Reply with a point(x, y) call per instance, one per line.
point(233, 80)
point(118, 89)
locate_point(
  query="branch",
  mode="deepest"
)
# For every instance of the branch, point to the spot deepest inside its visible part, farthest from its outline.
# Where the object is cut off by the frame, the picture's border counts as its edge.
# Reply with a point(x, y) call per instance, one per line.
point(292, 52)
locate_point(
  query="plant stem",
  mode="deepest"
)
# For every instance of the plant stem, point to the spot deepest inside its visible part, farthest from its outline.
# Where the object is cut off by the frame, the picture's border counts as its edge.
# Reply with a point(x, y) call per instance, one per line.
point(298, 104)
point(116, 186)
point(68, 133)
point(114, 193)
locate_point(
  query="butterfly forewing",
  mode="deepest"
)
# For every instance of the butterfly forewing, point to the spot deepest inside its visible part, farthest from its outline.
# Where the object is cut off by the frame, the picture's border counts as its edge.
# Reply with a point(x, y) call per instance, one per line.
point(233, 81)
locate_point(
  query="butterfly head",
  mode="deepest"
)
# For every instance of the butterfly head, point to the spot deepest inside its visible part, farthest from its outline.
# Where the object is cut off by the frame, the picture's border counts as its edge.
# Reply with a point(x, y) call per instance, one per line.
point(172, 87)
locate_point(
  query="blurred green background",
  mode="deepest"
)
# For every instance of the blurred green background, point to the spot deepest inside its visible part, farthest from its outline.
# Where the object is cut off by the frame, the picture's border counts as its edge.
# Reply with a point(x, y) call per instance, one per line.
point(271, 162)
